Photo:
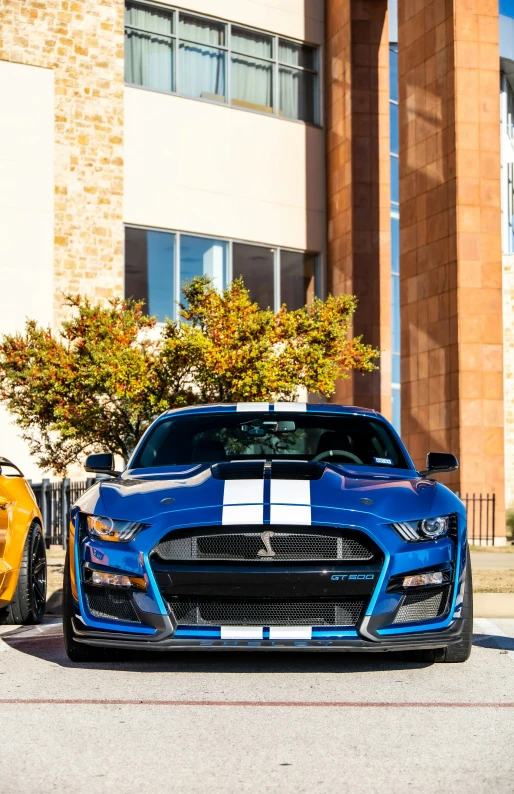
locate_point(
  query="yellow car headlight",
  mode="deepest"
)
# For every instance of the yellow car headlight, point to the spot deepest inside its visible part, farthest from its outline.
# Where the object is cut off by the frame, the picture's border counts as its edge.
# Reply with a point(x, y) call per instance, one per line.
point(112, 530)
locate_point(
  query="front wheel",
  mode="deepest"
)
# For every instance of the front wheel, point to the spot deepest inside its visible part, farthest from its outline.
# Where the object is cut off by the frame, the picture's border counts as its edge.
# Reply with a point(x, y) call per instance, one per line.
point(28, 604)
point(76, 651)
point(460, 652)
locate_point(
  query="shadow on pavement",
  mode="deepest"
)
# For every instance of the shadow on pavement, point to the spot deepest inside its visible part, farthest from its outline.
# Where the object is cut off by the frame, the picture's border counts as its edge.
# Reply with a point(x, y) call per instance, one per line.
point(49, 647)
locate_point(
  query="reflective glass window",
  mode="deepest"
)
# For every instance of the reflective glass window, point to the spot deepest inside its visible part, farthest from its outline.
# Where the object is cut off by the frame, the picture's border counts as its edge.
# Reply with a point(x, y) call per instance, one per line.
point(149, 47)
point(150, 270)
point(297, 278)
point(202, 65)
point(202, 256)
point(255, 264)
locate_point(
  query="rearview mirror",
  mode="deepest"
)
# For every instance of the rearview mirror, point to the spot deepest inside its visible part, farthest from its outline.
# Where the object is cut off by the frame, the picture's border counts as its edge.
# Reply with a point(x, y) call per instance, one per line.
point(439, 462)
point(102, 463)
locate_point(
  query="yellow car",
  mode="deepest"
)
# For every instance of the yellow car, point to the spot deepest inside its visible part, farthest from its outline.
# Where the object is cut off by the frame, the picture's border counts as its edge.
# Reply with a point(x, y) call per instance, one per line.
point(22, 550)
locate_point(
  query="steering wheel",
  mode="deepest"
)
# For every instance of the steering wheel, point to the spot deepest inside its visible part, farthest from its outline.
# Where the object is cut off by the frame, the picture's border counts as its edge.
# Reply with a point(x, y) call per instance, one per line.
point(333, 453)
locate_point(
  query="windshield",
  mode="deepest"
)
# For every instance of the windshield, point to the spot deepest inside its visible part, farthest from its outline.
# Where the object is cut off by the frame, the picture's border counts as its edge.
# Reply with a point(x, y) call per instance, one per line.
point(213, 437)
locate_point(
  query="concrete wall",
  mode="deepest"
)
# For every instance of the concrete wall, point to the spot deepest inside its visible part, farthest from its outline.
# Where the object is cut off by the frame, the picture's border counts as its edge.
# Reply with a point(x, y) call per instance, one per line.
point(298, 19)
point(26, 212)
point(199, 167)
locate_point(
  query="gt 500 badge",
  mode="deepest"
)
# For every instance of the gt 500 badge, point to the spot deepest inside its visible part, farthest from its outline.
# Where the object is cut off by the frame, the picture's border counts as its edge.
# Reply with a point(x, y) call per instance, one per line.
point(337, 577)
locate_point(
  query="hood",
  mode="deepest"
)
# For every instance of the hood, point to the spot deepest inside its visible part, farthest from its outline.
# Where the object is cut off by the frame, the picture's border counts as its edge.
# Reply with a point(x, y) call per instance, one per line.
point(143, 496)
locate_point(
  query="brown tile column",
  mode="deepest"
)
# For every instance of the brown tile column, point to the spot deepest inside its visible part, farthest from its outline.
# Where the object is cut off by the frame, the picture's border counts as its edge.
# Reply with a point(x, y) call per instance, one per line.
point(358, 179)
point(450, 240)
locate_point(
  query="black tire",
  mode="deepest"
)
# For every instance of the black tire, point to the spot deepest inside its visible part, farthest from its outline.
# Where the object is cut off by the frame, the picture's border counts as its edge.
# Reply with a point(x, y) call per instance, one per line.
point(460, 652)
point(29, 602)
point(76, 651)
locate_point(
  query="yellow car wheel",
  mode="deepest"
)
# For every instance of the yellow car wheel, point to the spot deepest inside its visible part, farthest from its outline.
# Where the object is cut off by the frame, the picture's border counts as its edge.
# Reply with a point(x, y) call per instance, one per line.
point(28, 604)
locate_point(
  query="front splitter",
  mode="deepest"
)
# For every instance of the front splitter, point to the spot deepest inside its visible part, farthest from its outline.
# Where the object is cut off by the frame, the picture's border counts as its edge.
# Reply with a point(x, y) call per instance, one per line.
point(426, 640)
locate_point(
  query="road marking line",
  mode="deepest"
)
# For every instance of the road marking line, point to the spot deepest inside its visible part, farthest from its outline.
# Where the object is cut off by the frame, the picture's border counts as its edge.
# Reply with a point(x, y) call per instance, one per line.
point(248, 703)
point(494, 631)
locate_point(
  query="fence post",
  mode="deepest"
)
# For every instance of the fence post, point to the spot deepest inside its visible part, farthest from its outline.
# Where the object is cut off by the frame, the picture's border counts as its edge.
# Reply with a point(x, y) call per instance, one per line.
point(494, 516)
point(44, 508)
point(65, 490)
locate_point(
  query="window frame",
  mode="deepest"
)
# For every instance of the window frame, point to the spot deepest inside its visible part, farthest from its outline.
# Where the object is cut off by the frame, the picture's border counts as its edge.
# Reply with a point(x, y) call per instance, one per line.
point(318, 270)
point(175, 12)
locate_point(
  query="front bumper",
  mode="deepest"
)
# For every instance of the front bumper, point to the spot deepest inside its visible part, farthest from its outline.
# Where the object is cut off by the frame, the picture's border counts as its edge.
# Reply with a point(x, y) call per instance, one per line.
point(166, 640)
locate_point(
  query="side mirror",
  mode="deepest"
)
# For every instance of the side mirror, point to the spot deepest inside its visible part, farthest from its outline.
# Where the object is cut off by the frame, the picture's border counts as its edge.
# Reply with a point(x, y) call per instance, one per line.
point(439, 462)
point(102, 463)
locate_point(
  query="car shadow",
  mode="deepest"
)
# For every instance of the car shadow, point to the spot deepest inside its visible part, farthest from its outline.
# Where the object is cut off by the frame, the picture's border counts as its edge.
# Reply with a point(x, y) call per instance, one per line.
point(49, 648)
point(495, 642)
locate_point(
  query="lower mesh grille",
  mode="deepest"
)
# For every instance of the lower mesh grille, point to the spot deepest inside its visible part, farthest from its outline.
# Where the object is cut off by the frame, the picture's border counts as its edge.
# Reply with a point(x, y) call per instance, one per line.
point(226, 612)
point(113, 604)
point(423, 606)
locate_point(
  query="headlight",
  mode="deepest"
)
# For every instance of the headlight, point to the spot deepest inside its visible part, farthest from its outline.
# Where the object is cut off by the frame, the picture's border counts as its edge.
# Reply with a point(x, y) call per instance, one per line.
point(434, 527)
point(426, 529)
point(112, 530)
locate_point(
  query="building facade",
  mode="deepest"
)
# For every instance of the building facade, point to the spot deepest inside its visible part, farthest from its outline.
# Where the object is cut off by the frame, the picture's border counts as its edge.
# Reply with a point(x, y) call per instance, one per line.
point(308, 146)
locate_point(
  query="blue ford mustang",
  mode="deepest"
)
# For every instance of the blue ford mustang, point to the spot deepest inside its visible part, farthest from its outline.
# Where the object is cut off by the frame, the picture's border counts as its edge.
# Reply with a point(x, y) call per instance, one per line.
point(269, 526)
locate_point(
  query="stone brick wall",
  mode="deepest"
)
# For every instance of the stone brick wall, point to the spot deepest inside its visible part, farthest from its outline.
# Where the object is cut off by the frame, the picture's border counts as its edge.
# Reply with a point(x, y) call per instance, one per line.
point(82, 41)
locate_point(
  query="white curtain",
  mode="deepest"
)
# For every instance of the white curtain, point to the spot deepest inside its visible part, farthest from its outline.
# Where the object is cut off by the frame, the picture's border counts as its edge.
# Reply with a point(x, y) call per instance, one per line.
point(202, 68)
point(149, 57)
point(252, 79)
point(249, 43)
point(297, 94)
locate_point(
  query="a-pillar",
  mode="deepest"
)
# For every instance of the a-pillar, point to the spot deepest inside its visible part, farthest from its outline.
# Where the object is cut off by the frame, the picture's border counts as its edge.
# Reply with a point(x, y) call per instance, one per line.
point(450, 243)
point(358, 179)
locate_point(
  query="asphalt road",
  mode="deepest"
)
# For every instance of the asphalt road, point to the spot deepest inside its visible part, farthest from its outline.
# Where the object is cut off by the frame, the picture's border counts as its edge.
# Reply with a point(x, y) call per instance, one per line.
point(255, 722)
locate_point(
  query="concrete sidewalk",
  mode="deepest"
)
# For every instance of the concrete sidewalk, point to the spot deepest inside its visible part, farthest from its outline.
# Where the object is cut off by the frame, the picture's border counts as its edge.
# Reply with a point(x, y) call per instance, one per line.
point(492, 561)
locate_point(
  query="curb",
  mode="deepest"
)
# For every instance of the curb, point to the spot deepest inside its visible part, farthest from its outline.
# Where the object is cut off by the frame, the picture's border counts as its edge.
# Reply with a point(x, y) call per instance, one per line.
point(493, 605)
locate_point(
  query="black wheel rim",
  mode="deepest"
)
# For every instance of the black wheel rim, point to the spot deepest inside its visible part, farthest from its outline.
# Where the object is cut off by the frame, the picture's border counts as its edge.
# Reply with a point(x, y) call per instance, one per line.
point(38, 574)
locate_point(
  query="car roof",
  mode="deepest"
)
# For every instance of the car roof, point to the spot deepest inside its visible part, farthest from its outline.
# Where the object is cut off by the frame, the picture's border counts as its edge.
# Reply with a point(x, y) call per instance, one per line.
point(296, 407)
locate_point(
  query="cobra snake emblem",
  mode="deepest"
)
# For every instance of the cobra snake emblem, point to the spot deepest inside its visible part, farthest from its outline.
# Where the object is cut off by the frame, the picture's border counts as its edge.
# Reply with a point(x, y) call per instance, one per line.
point(268, 551)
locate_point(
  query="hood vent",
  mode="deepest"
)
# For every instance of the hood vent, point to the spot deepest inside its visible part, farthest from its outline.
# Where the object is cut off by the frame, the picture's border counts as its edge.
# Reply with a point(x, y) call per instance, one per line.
point(276, 470)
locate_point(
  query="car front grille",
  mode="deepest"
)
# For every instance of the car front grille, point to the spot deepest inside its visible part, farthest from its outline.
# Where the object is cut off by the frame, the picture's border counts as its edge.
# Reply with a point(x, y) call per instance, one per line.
point(253, 546)
point(104, 602)
point(423, 606)
point(232, 612)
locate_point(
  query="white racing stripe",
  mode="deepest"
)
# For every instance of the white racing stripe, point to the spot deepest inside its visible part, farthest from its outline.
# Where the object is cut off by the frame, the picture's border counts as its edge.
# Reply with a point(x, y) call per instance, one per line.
point(290, 633)
point(290, 502)
point(290, 407)
point(243, 502)
point(241, 632)
point(252, 407)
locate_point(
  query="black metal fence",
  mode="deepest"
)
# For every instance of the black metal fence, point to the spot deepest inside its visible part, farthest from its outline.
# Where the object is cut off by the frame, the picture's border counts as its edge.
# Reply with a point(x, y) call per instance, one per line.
point(481, 512)
point(54, 500)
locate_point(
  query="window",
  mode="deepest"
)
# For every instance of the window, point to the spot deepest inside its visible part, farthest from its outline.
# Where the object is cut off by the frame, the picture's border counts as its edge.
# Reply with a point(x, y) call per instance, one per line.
point(210, 437)
point(252, 70)
point(298, 84)
point(157, 263)
point(149, 47)
point(297, 278)
point(256, 266)
point(149, 270)
point(200, 256)
point(196, 56)
point(202, 61)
